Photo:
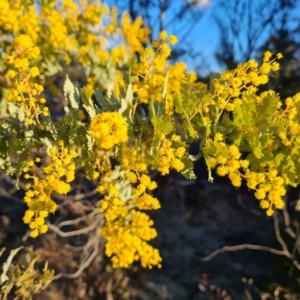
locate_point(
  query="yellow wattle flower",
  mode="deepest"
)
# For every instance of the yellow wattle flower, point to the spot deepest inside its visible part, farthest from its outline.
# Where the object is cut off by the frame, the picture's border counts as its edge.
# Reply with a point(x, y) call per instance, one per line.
point(109, 129)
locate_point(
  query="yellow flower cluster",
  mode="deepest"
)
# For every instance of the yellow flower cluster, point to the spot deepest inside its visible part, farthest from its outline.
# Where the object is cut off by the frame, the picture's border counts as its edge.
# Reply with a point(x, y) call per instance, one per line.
point(134, 164)
point(127, 242)
point(93, 40)
point(30, 21)
point(68, 30)
point(227, 163)
point(234, 85)
point(26, 93)
point(92, 13)
point(269, 187)
point(46, 181)
point(127, 230)
point(58, 33)
point(176, 73)
point(134, 34)
point(290, 136)
point(19, 16)
point(150, 72)
point(109, 129)
point(133, 160)
point(118, 54)
point(142, 200)
point(9, 16)
point(170, 154)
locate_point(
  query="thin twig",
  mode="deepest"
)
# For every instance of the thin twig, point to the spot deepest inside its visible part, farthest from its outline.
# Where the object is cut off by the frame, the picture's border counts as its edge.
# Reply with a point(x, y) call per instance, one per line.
point(284, 252)
point(78, 220)
point(74, 232)
point(83, 265)
point(279, 237)
point(77, 206)
point(78, 248)
point(297, 243)
point(85, 195)
point(242, 247)
point(287, 223)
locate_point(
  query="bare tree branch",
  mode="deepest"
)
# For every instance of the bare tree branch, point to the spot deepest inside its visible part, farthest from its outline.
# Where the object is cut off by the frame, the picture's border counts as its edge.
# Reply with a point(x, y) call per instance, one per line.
point(247, 26)
point(78, 220)
point(83, 265)
point(279, 237)
point(74, 232)
point(242, 247)
point(284, 252)
point(287, 222)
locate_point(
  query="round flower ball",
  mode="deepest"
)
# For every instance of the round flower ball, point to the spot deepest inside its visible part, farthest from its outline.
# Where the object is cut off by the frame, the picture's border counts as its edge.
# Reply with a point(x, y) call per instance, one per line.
point(109, 129)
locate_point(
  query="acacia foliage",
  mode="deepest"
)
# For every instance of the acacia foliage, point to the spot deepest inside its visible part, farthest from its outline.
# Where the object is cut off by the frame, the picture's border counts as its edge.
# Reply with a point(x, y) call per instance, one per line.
point(22, 278)
point(136, 109)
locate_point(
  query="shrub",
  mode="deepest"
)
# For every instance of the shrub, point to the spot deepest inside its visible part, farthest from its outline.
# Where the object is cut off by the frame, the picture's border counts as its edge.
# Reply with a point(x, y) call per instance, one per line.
point(137, 109)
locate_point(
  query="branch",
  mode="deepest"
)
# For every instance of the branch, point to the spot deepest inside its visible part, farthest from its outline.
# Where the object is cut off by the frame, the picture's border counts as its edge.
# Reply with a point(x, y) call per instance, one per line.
point(82, 265)
point(287, 223)
point(242, 247)
point(285, 252)
point(78, 220)
point(72, 233)
point(279, 237)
